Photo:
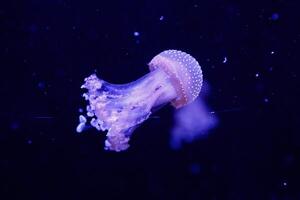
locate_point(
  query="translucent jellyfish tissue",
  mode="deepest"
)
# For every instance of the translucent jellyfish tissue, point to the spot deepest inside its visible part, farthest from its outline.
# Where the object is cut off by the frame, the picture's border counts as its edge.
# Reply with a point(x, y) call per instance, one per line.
point(193, 121)
point(174, 77)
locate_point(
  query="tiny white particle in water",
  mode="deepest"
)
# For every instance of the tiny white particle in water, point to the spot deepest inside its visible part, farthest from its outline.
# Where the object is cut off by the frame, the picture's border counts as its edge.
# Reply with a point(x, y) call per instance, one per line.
point(266, 100)
point(161, 18)
point(257, 75)
point(136, 33)
point(284, 183)
point(272, 52)
point(225, 59)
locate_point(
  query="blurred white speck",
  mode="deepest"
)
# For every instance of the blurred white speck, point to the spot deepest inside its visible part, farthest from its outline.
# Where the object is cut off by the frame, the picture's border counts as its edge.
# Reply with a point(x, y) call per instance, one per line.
point(272, 52)
point(161, 18)
point(257, 75)
point(225, 60)
point(136, 33)
point(266, 100)
point(29, 141)
point(80, 110)
point(284, 183)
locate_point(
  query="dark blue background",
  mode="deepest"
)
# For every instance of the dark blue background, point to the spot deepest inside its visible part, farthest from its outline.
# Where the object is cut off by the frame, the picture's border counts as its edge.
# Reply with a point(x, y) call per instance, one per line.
point(49, 47)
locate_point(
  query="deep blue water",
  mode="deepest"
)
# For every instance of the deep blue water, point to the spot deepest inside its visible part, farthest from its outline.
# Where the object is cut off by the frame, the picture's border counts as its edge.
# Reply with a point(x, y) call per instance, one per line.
point(248, 52)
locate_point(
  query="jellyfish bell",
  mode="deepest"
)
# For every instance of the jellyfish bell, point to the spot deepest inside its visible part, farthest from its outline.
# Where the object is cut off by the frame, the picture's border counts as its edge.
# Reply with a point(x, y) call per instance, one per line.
point(174, 77)
point(185, 74)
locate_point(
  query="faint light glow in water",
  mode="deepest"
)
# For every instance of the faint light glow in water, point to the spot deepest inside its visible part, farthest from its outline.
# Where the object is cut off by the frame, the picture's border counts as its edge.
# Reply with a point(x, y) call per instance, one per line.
point(15, 125)
point(161, 18)
point(192, 122)
point(266, 100)
point(270, 69)
point(274, 16)
point(41, 85)
point(136, 34)
point(285, 183)
point(195, 168)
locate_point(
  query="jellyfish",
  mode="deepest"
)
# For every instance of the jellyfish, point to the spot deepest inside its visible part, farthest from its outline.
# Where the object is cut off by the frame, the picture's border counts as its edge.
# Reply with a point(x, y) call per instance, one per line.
point(175, 77)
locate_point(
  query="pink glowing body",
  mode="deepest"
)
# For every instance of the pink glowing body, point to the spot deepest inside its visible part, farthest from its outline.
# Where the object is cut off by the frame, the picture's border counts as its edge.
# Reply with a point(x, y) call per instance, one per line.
point(174, 77)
